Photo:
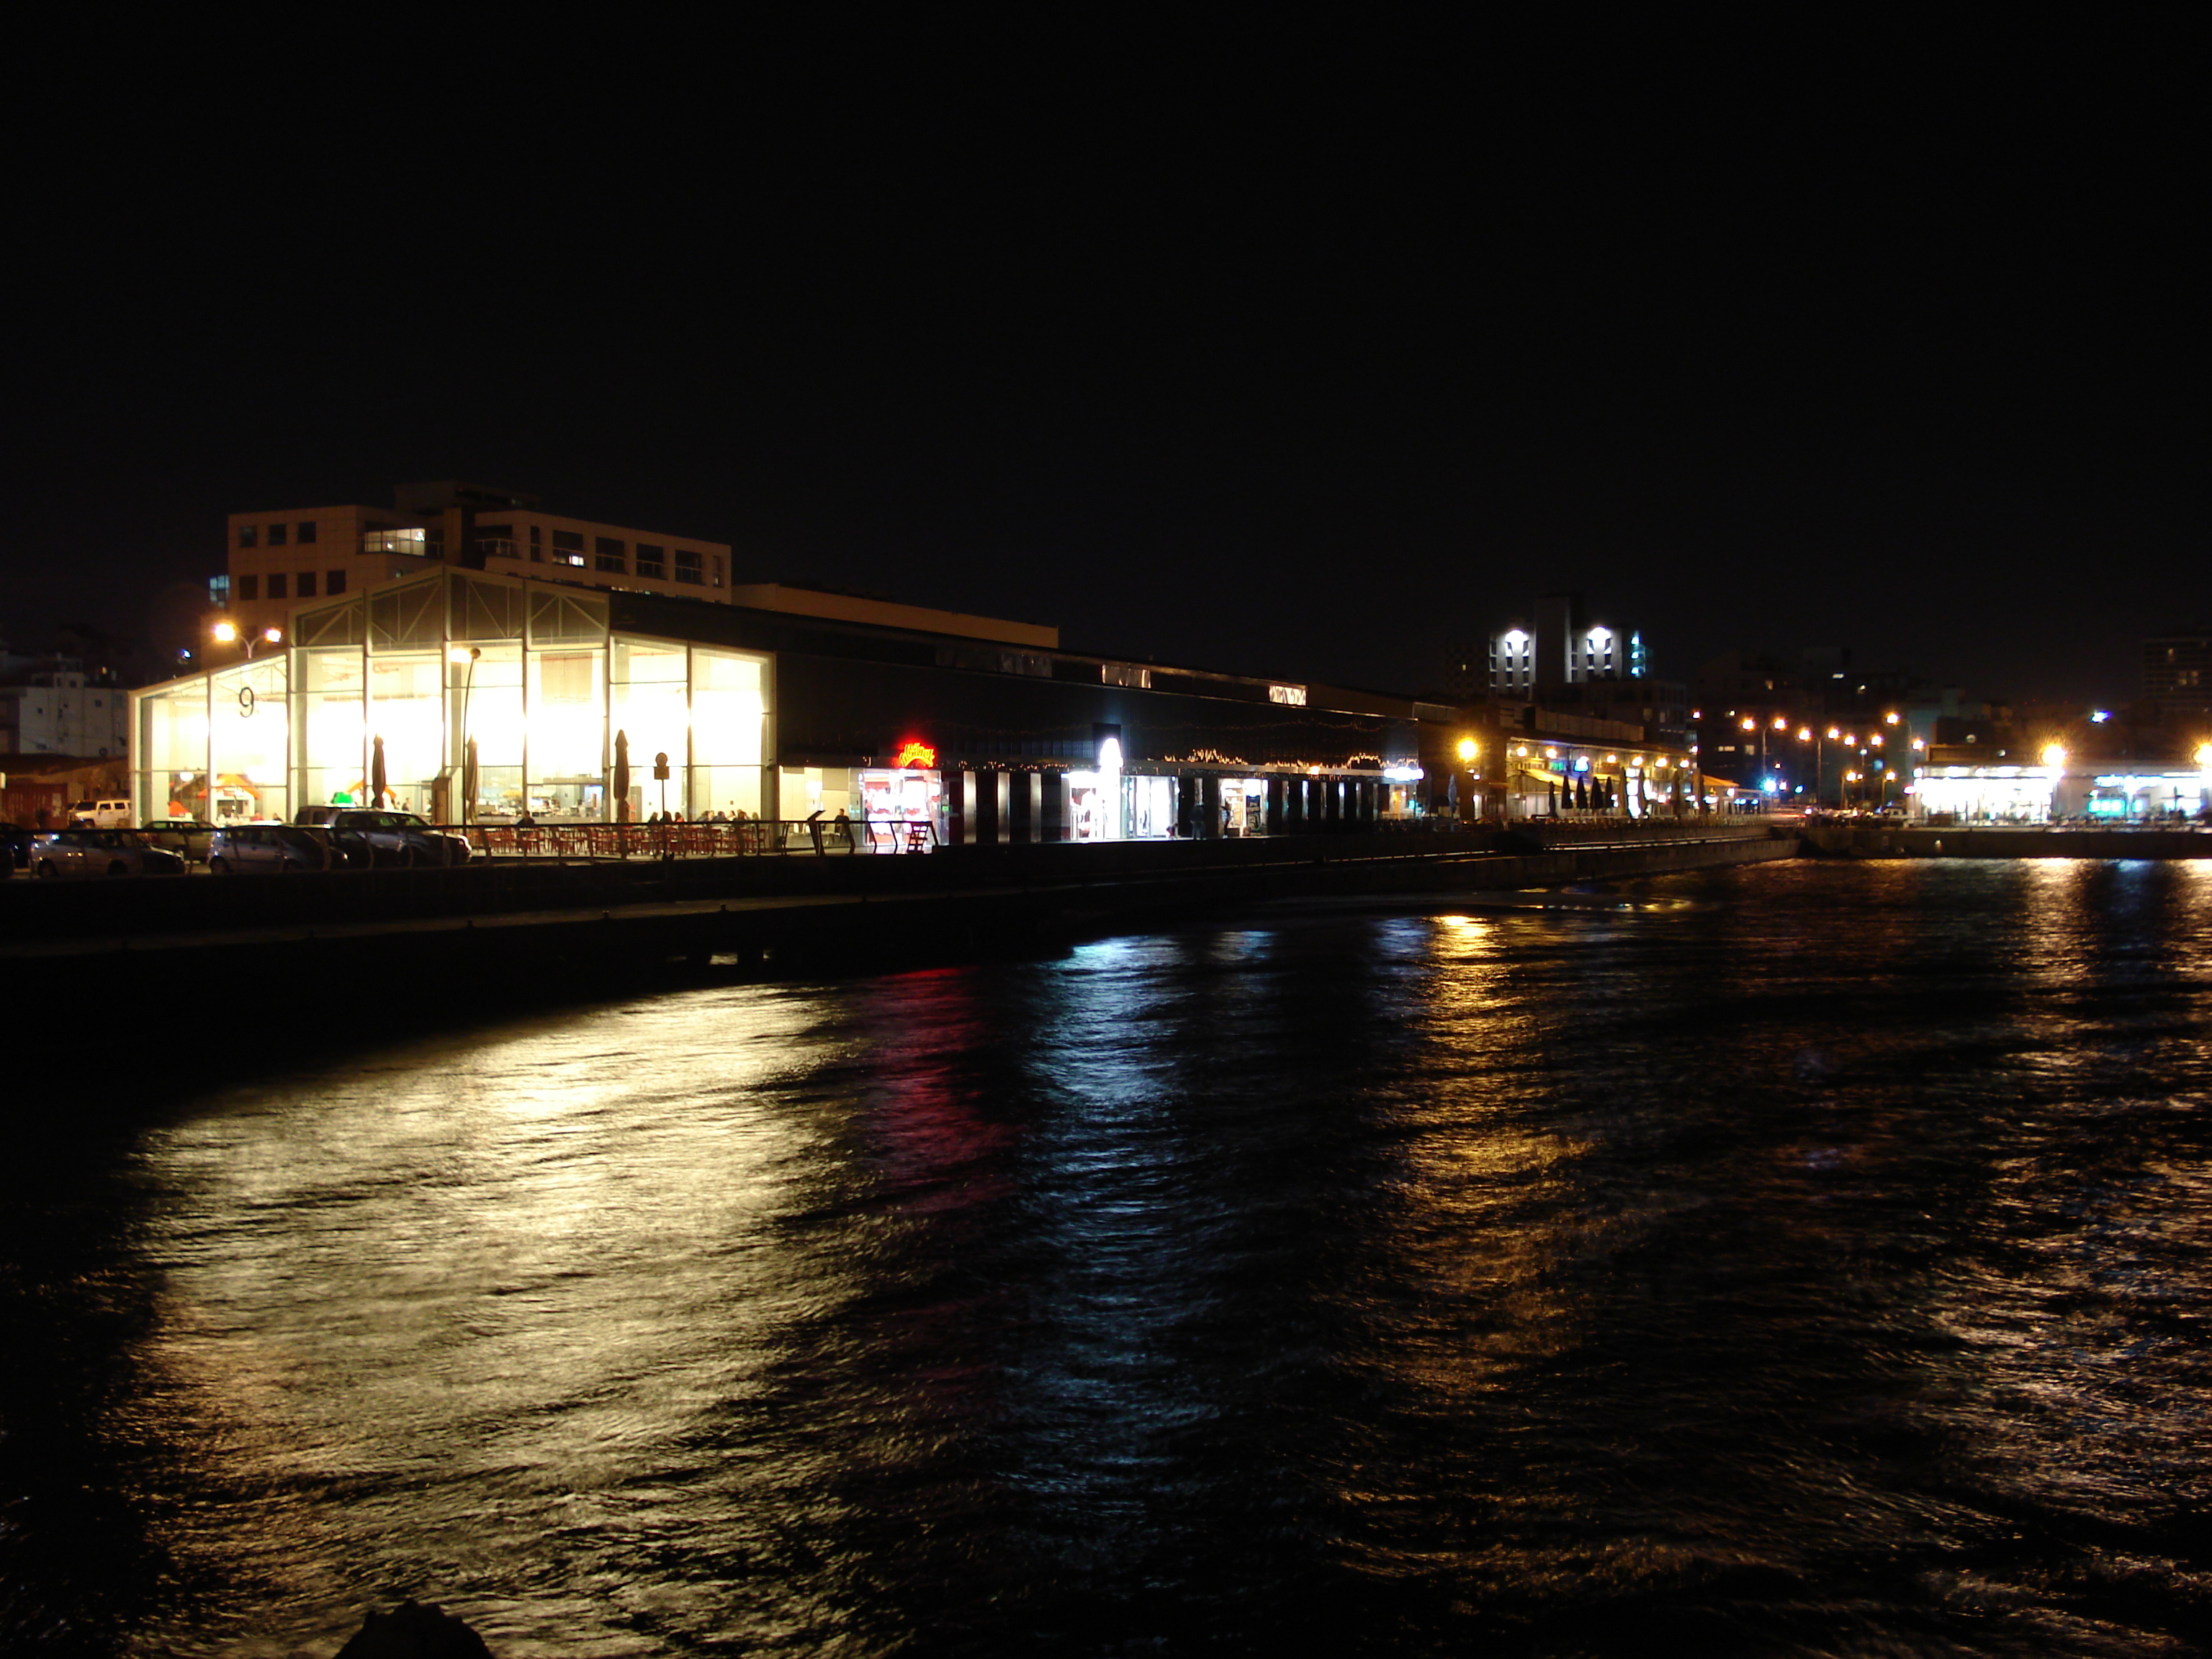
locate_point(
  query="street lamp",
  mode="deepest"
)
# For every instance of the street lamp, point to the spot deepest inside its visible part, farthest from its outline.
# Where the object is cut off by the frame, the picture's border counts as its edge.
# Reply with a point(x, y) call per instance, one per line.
point(228, 632)
point(2054, 760)
point(1467, 802)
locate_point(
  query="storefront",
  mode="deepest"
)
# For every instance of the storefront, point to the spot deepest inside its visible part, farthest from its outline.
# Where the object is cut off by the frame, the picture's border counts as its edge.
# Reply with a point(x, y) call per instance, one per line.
point(1562, 780)
point(890, 804)
point(2119, 797)
point(1984, 794)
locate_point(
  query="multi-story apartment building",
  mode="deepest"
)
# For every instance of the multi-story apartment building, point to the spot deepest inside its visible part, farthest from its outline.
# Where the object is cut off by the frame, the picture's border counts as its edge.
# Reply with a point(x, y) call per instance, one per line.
point(1570, 663)
point(1565, 648)
point(54, 705)
point(2177, 673)
point(278, 559)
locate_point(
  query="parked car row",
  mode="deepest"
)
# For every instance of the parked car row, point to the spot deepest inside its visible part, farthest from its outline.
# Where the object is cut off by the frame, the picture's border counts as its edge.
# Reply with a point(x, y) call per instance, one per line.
point(324, 838)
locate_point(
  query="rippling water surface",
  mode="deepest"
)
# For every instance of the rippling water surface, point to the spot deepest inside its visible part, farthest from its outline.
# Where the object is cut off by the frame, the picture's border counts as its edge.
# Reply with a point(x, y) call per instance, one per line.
point(1806, 1259)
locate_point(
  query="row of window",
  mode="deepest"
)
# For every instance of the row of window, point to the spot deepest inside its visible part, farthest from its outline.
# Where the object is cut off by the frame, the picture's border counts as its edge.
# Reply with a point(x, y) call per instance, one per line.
point(250, 535)
point(288, 585)
point(611, 555)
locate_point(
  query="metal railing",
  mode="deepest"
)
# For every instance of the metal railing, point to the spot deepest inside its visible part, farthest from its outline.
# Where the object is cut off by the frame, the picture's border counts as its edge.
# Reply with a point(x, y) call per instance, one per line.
point(571, 843)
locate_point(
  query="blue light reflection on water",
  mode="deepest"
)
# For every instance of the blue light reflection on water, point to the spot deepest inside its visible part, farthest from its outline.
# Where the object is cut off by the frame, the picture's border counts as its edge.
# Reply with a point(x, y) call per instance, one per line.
point(1803, 1259)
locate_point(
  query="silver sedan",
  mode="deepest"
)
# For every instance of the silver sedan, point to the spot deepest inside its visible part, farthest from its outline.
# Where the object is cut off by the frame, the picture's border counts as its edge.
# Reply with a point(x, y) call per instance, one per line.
point(82, 851)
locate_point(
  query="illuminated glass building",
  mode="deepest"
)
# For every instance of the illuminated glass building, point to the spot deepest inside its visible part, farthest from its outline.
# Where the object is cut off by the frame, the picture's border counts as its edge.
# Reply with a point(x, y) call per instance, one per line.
point(475, 696)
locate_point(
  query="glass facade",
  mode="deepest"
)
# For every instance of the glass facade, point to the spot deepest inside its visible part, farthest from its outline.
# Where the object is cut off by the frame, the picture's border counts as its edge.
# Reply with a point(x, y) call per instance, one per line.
point(473, 699)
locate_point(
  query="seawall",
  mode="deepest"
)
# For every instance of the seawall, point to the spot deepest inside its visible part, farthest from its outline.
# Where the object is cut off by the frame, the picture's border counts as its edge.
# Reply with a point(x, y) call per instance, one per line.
point(1902, 841)
point(313, 960)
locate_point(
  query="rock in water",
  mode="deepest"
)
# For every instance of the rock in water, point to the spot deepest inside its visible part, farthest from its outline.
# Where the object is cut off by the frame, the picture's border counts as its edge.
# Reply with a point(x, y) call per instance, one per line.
point(414, 1630)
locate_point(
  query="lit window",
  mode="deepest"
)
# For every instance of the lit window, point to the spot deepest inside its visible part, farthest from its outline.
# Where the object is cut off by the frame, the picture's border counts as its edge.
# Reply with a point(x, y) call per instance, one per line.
point(568, 548)
point(415, 543)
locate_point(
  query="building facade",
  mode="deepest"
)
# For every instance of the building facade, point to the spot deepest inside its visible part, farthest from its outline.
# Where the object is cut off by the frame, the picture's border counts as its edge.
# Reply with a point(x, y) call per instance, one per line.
point(1965, 783)
point(54, 705)
point(477, 696)
point(1567, 646)
point(279, 561)
point(2176, 674)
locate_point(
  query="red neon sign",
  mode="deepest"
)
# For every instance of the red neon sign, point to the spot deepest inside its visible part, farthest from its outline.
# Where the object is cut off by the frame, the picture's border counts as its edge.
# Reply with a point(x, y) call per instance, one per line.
point(914, 753)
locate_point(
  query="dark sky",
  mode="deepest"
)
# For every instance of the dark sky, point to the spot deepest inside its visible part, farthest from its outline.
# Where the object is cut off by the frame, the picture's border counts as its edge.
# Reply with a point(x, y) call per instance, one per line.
point(1295, 352)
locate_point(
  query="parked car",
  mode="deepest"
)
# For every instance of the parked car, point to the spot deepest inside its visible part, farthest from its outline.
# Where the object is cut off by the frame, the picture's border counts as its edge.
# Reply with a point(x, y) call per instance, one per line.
point(251, 849)
point(15, 847)
point(362, 836)
point(188, 838)
point(85, 852)
point(112, 812)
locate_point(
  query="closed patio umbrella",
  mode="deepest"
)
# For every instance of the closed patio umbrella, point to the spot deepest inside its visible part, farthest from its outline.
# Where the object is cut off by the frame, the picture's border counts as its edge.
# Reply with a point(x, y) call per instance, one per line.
point(622, 777)
point(377, 782)
point(469, 782)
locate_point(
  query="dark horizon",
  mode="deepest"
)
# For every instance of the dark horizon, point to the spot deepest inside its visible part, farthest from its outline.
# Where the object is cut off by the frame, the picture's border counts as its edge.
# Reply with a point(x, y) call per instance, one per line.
point(1305, 366)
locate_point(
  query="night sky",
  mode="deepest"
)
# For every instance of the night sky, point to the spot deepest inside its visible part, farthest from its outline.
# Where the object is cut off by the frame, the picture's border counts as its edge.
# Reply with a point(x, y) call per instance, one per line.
point(1291, 351)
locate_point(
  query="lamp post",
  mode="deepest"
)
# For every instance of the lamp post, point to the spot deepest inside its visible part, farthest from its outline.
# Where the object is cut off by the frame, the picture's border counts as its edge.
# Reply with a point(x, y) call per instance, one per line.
point(466, 657)
point(1807, 734)
point(1750, 725)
